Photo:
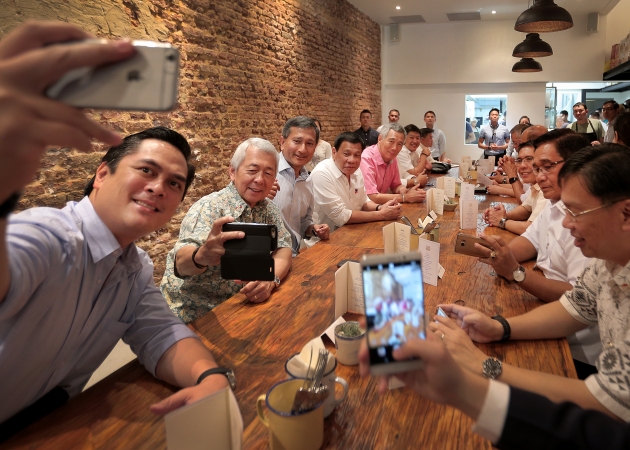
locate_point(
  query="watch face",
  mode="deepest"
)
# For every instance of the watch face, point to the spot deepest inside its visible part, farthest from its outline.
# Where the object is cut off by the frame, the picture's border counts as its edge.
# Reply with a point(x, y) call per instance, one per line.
point(519, 274)
point(492, 368)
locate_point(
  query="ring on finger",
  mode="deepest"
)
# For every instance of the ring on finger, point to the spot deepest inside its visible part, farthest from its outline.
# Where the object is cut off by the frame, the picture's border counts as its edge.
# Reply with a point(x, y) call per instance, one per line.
point(443, 336)
point(255, 297)
point(493, 254)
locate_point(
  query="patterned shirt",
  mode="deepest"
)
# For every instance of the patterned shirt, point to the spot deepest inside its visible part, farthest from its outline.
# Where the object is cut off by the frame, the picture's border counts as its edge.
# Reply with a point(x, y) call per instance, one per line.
point(192, 297)
point(602, 296)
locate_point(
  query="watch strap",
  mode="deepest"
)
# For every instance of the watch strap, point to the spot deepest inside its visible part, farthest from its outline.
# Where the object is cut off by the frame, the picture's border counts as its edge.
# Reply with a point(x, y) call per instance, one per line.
point(198, 266)
point(507, 330)
point(513, 180)
point(502, 222)
point(228, 373)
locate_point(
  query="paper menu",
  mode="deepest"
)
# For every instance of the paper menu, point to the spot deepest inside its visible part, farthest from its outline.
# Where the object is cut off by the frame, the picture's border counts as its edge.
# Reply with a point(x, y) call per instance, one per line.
point(463, 169)
point(468, 214)
point(466, 192)
point(430, 261)
point(212, 422)
point(435, 201)
point(448, 185)
point(485, 166)
point(397, 238)
point(481, 178)
point(349, 289)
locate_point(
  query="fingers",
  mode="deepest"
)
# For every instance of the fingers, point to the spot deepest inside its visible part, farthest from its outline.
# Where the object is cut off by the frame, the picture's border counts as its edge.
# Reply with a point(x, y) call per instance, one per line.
point(36, 34)
point(217, 227)
point(169, 404)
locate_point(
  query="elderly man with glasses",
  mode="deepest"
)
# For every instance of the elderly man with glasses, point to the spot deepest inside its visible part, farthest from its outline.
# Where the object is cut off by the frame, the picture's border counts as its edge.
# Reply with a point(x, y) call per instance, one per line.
point(552, 245)
point(610, 110)
point(520, 218)
point(595, 191)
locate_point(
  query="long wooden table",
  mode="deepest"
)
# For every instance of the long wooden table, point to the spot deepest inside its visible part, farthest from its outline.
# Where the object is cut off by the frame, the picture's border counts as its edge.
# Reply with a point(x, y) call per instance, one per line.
point(256, 339)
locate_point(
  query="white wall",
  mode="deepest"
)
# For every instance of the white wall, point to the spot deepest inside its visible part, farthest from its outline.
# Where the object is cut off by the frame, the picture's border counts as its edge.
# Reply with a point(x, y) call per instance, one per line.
point(448, 102)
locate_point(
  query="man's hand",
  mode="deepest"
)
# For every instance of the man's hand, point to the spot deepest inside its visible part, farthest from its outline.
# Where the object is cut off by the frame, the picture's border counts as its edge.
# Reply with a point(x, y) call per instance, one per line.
point(415, 194)
point(257, 291)
point(504, 263)
point(186, 396)
point(422, 179)
point(479, 327)
point(29, 122)
point(209, 254)
point(391, 210)
point(274, 190)
point(494, 215)
point(509, 166)
point(321, 230)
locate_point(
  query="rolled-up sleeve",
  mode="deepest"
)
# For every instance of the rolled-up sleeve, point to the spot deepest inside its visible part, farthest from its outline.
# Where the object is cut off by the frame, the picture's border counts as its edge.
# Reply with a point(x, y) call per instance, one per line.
point(327, 198)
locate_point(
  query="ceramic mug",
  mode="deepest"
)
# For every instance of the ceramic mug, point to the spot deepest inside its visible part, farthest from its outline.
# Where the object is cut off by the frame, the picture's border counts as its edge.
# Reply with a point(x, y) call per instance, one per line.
point(287, 431)
point(348, 347)
point(329, 379)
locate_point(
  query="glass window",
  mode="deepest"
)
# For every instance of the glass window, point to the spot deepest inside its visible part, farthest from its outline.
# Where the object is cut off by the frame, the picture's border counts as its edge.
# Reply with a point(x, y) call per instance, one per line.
point(477, 111)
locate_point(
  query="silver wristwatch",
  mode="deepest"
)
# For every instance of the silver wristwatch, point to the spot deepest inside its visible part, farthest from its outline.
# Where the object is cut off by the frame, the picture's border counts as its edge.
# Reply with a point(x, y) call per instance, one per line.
point(519, 274)
point(492, 368)
point(276, 281)
point(502, 223)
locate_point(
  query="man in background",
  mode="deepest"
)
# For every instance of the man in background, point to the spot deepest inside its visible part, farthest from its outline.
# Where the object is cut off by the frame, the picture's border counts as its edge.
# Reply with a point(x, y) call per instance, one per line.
point(438, 149)
point(393, 117)
point(610, 109)
point(494, 138)
point(368, 135)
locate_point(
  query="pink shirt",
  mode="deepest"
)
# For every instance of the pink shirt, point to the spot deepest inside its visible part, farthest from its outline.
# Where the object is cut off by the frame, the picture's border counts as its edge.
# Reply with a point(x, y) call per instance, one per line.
point(378, 176)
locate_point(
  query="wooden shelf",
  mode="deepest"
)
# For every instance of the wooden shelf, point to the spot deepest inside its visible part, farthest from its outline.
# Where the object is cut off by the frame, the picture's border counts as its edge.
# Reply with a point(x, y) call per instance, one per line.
point(621, 72)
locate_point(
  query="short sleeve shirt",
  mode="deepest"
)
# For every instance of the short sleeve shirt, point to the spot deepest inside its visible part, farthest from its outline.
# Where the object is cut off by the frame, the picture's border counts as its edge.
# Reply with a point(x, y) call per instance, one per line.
point(534, 202)
point(192, 297)
point(378, 176)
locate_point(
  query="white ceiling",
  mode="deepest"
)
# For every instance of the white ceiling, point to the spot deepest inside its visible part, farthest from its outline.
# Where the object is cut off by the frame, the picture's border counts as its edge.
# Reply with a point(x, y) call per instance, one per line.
point(434, 11)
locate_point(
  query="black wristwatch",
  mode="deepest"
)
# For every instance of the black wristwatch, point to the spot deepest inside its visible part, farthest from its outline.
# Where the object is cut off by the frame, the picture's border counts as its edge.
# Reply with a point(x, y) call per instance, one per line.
point(512, 180)
point(9, 205)
point(507, 330)
point(229, 374)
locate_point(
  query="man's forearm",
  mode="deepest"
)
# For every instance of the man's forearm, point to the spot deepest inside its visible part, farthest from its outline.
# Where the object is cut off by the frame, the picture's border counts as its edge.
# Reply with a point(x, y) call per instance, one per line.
point(517, 226)
point(544, 288)
point(183, 363)
point(364, 216)
point(550, 321)
point(518, 213)
point(384, 198)
point(283, 259)
point(184, 262)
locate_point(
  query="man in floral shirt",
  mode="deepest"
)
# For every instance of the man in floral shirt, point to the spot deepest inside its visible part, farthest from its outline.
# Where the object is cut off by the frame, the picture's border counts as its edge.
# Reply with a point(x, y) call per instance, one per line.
point(192, 283)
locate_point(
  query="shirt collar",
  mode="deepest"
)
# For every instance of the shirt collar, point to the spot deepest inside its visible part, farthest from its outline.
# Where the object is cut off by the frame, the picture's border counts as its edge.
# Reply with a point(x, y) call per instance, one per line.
point(378, 158)
point(100, 239)
point(284, 165)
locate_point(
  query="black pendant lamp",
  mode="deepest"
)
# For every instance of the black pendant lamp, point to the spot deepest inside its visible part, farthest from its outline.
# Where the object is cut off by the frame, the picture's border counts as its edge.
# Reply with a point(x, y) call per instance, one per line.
point(527, 65)
point(544, 16)
point(532, 47)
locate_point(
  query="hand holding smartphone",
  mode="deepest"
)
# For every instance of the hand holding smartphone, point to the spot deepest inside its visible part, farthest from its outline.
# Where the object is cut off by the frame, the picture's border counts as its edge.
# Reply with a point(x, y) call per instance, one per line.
point(250, 259)
point(394, 308)
point(465, 245)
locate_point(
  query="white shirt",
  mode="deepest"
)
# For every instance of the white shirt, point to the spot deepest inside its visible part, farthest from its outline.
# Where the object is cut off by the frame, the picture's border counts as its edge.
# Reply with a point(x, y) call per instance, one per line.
point(439, 144)
point(494, 412)
point(407, 160)
point(534, 202)
point(295, 201)
point(559, 259)
point(322, 151)
point(335, 197)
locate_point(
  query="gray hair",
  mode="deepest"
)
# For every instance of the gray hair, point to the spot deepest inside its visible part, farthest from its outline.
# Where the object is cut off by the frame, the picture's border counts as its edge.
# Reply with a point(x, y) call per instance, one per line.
point(301, 122)
point(393, 126)
point(258, 143)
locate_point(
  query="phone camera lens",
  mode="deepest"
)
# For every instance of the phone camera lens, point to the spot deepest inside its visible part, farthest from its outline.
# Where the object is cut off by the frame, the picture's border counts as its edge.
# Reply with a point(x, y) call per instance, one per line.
point(170, 57)
point(463, 244)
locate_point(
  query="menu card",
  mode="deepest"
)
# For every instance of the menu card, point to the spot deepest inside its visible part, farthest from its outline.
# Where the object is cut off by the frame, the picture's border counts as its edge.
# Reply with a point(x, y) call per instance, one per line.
point(448, 184)
point(212, 422)
point(485, 166)
point(467, 191)
point(435, 201)
point(468, 214)
point(481, 178)
point(397, 238)
point(349, 289)
point(430, 261)
point(463, 169)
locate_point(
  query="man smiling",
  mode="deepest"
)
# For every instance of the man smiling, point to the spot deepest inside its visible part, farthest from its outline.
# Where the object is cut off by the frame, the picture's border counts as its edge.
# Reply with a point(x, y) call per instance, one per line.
point(337, 185)
point(192, 282)
point(380, 169)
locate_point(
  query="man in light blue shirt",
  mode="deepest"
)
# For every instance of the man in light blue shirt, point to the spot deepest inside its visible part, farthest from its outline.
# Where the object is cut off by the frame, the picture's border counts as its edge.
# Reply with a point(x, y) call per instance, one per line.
point(72, 281)
point(494, 138)
point(294, 198)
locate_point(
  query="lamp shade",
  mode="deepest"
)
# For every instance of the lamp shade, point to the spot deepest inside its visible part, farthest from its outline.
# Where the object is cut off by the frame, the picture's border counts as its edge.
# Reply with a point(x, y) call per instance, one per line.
point(527, 65)
point(532, 47)
point(544, 16)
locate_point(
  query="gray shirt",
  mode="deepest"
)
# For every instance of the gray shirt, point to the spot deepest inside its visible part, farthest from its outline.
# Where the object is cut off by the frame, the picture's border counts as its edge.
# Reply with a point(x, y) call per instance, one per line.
point(74, 293)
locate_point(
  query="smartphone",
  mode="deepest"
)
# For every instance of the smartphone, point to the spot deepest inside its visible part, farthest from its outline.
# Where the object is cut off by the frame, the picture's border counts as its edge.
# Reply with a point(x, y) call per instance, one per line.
point(250, 258)
point(394, 308)
point(406, 221)
point(440, 312)
point(465, 244)
point(147, 81)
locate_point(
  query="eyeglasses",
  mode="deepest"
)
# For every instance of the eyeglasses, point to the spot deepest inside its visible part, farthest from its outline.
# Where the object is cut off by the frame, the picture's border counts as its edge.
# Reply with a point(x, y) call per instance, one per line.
point(526, 160)
point(546, 168)
point(574, 216)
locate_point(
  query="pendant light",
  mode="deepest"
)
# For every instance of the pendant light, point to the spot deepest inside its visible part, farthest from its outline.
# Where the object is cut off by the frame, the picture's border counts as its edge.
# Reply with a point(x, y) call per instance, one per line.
point(527, 65)
point(532, 47)
point(544, 16)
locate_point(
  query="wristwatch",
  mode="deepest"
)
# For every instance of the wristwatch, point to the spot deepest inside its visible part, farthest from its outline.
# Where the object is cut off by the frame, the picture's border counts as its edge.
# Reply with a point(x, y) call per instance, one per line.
point(502, 223)
point(519, 274)
point(276, 281)
point(492, 368)
point(415, 181)
point(512, 180)
point(229, 374)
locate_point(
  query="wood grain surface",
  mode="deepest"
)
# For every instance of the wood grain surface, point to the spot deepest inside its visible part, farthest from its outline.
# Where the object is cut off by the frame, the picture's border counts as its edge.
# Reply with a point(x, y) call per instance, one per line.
point(256, 340)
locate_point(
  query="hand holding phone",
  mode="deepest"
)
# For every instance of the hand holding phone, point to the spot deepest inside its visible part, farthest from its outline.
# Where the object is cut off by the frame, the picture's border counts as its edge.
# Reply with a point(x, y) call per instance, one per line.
point(465, 245)
point(394, 308)
point(250, 259)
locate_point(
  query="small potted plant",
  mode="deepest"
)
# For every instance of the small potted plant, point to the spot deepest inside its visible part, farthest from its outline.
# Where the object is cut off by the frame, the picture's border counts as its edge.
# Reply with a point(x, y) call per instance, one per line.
point(449, 205)
point(348, 337)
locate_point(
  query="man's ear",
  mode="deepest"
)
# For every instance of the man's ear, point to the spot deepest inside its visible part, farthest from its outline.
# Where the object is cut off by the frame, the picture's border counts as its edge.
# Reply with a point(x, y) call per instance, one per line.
point(334, 151)
point(282, 140)
point(232, 173)
point(101, 173)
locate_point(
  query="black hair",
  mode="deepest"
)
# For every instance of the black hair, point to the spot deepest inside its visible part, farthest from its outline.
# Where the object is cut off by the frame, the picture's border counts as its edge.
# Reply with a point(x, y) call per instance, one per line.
point(603, 171)
point(430, 112)
point(526, 144)
point(365, 111)
point(301, 122)
point(424, 132)
point(622, 128)
point(520, 127)
point(494, 109)
point(411, 128)
point(348, 136)
point(131, 144)
point(565, 140)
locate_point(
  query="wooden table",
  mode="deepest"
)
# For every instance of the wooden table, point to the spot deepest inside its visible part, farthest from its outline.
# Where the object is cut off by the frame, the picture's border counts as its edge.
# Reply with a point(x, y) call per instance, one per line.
point(256, 339)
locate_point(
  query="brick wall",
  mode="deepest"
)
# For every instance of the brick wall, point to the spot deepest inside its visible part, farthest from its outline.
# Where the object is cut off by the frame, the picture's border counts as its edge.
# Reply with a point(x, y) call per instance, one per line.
point(247, 66)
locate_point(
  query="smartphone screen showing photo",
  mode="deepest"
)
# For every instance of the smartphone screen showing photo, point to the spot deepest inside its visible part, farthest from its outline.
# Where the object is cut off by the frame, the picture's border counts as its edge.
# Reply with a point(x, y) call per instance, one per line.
point(394, 306)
